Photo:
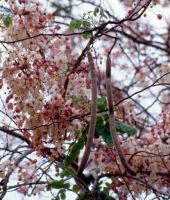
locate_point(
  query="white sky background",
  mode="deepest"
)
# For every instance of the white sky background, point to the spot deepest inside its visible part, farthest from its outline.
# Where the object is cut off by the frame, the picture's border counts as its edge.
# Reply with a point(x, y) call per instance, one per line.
point(151, 18)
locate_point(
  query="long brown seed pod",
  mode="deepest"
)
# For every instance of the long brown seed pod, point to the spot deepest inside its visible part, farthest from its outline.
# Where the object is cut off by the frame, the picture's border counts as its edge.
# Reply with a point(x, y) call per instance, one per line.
point(112, 119)
point(92, 125)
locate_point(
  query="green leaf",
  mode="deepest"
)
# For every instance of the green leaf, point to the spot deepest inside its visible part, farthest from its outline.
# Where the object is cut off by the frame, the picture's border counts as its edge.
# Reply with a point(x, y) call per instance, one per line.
point(105, 195)
point(105, 116)
point(99, 120)
point(101, 104)
point(62, 194)
point(56, 198)
point(76, 99)
point(124, 128)
point(75, 188)
point(72, 25)
point(86, 24)
point(103, 130)
point(86, 35)
point(75, 24)
point(78, 23)
point(7, 21)
point(58, 184)
point(62, 174)
point(75, 151)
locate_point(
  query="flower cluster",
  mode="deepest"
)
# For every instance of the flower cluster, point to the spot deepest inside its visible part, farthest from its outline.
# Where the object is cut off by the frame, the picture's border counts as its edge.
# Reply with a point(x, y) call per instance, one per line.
point(36, 71)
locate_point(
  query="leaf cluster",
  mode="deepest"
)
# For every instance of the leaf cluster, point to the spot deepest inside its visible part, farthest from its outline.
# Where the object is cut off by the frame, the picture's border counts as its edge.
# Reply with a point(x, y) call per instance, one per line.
point(62, 186)
point(102, 124)
point(74, 151)
point(81, 23)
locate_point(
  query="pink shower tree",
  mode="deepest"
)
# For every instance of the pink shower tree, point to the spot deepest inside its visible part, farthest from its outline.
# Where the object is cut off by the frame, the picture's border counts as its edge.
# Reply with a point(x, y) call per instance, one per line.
point(47, 99)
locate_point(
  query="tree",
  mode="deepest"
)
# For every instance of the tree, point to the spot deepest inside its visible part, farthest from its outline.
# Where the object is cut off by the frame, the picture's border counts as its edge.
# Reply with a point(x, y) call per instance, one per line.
point(59, 128)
